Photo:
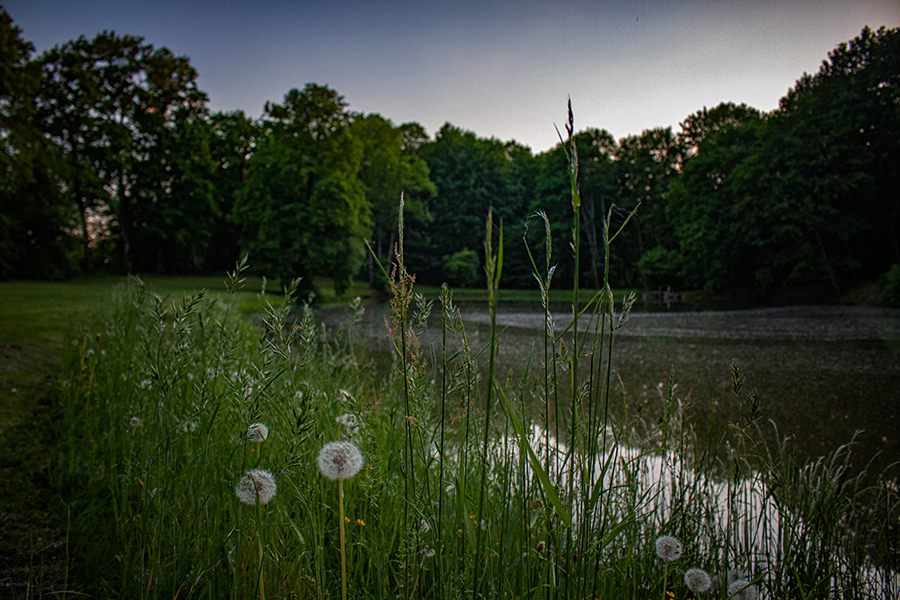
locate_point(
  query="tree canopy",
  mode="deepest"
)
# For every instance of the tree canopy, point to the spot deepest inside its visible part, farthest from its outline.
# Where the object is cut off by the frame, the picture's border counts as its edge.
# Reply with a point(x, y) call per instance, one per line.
point(111, 160)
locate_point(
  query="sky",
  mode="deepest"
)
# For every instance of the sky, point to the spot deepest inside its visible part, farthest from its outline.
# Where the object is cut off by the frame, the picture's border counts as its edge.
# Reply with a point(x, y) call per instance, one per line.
point(500, 68)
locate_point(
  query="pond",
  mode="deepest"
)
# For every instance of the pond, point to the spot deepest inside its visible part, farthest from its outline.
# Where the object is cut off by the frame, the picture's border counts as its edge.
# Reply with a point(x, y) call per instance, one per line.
point(822, 373)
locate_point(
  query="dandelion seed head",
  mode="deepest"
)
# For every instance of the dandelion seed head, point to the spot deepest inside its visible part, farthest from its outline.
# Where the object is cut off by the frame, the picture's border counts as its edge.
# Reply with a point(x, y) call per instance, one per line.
point(742, 590)
point(349, 422)
point(256, 483)
point(697, 580)
point(339, 460)
point(257, 432)
point(668, 548)
point(733, 575)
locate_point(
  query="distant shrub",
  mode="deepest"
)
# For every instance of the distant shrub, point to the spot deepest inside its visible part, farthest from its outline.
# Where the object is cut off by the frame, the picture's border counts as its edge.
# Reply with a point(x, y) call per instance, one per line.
point(659, 266)
point(890, 287)
point(462, 267)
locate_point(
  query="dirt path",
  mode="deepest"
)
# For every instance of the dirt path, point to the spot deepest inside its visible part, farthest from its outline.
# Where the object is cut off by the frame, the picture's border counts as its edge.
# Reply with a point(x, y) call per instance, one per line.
point(32, 536)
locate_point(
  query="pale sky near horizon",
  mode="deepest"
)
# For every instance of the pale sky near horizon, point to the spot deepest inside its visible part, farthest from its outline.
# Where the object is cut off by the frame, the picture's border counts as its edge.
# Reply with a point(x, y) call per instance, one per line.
point(500, 68)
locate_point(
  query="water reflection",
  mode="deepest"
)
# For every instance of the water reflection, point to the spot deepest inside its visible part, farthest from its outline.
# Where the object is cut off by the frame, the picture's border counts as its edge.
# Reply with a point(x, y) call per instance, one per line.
point(821, 372)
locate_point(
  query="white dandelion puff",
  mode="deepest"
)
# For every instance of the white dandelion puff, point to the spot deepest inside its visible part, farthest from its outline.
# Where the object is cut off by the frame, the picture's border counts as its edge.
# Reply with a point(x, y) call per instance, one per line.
point(742, 590)
point(349, 422)
point(339, 460)
point(257, 432)
point(668, 548)
point(697, 580)
point(733, 575)
point(256, 484)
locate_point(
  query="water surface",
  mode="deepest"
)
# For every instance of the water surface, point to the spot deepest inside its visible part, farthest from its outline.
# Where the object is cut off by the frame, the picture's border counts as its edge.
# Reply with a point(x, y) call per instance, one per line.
point(822, 373)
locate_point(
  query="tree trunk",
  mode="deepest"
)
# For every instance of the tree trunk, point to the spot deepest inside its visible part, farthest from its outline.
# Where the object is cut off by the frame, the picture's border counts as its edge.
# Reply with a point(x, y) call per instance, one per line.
point(82, 213)
point(831, 277)
point(893, 231)
point(85, 234)
point(590, 231)
point(390, 251)
point(123, 214)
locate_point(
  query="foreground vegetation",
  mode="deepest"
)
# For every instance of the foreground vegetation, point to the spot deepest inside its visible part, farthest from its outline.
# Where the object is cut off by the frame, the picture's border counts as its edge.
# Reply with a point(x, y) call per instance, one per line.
point(219, 460)
point(513, 492)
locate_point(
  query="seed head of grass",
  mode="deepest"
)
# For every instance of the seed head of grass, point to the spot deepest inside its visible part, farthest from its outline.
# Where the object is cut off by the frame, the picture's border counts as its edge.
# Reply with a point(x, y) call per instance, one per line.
point(697, 580)
point(256, 484)
point(339, 460)
point(135, 422)
point(668, 548)
point(257, 432)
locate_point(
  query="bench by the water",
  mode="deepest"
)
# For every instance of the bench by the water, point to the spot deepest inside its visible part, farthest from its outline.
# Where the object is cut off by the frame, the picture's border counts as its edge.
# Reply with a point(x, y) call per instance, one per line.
point(666, 296)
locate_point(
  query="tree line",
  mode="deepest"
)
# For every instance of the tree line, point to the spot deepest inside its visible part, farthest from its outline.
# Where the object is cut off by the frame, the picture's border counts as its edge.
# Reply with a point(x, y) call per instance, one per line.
point(112, 161)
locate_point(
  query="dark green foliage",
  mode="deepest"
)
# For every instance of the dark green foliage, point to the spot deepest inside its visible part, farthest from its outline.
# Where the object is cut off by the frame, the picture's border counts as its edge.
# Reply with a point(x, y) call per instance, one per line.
point(704, 205)
point(233, 138)
point(127, 118)
point(303, 211)
point(391, 166)
point(646, 165)
point(890, 287)
point(472, 175)
point(835, 137)
point(598, 189)
point(33, 211)
point(462, 267)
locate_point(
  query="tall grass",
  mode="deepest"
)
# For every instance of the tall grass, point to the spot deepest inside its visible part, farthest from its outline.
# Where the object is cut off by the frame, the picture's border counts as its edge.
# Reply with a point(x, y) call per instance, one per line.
point(474, 484)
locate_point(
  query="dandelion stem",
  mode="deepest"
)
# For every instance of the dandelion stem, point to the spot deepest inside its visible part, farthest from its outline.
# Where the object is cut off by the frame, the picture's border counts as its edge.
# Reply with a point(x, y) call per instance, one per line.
point(259, 541)
point(343, 552)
